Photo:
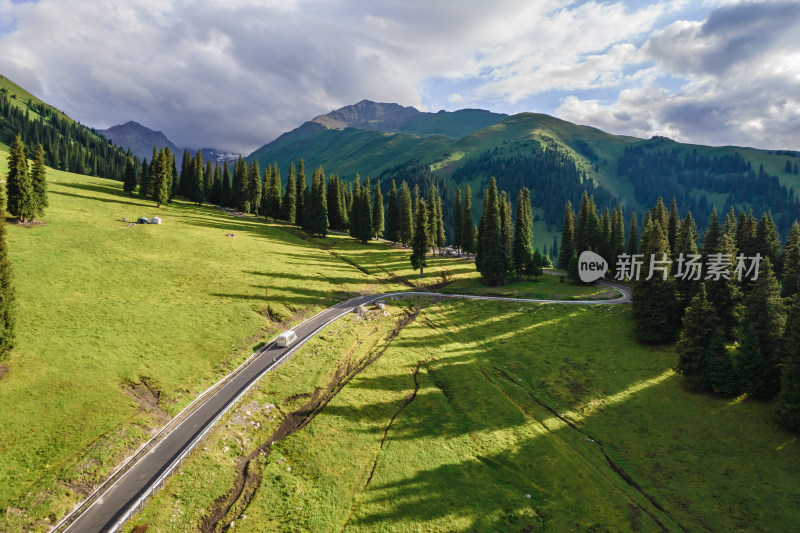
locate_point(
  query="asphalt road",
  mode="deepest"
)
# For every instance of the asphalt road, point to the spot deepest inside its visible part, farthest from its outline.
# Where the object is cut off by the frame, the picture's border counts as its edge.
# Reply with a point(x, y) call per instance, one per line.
point(114, 503)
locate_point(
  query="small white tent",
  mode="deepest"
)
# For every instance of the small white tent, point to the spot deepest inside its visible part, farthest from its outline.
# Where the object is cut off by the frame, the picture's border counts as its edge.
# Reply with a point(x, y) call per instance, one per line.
point(155, 220)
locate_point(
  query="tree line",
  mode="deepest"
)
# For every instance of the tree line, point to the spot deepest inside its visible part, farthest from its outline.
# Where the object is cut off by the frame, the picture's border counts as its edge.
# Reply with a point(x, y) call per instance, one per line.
point(735, 333)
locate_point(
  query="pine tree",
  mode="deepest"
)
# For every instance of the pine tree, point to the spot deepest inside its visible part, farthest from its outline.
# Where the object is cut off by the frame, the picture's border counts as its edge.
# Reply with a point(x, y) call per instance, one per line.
point(407, 220)
point(208, 181)
point(198, 192)
point(300, 193)
point(567, 238)
point(420, 239)
point(700, 342)
point(746, 241)
point(633, 238)
point(523, 233)
point(276, 191)
point(8, 302)
point(173, 182)
point(617, 236)
point(265, 203)
point(660, 214)
point(457, 221)
point(431, 203)
point(468, 232)
point(791, 262)
point(604, 245)
point(393, 215)
point(766, 315)
point(377, 211)
point(143, 178)
point(355, 208)
point(587, 231)
point(489, 257)
point(712, 236)
point(21, 200)
point(655, 312)
point(364, 213)
point(506, 236)
point(129, 180)
point(39, 181)
point(787, 406)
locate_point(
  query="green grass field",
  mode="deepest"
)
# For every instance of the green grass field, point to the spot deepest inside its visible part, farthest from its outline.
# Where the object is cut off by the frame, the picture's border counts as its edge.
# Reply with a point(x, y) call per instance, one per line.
point(487, 416)
point(105, 308)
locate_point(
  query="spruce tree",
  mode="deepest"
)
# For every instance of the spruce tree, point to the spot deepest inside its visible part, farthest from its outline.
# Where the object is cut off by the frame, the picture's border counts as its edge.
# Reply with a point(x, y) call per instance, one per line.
point(265, 204)
point(393, 215)
point(673, 226)
point(723, 293)
point(686, 243)
point(143, 178)
point(276, 191)
point(567, 238)
point(364, 213)
point(419, 247)
point(506, 236)
point(587, 230)
point(769, 242)
point(198, 192)
point(290, 197)
point(746, 240)
point(700, 342)
point(440, 234)
point(185, 180)
point(300, 193)
point(21, 199)
point(633, 238)
point(617, 236)
point(227, 191)
point(161, 178)
point(712, 235)
point(655, 311)
point(355, 208)
point(129, 179)
point(457, 222)
point(146, 186)
point(173, 182)
point(208, 181)
point(216, 198)
point(766, 315)
point(604, 245)
point(523, 233)
point(39, 181)
point(407, 220)
point(791, 262)
point(315, 218)
point(254, 187)
point(431, 204)
point(468, 232)
point(377, 211)
point(8, 302)
point(489, 257)
point(787, 405)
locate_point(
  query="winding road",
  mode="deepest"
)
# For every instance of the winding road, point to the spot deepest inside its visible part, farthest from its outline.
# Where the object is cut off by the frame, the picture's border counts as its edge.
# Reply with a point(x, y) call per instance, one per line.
point(125, 491)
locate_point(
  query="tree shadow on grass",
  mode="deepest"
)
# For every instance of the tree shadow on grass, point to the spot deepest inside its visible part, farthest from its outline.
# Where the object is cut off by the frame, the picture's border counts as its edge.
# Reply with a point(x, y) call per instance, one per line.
point(97, 199)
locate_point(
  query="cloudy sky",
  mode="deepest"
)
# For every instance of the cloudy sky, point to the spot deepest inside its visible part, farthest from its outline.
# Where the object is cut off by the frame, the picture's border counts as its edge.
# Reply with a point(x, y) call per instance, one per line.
point(234, 74)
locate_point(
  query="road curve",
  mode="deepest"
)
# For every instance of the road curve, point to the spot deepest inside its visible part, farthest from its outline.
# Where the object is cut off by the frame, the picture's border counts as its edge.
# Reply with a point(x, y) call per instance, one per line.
point(116, 500)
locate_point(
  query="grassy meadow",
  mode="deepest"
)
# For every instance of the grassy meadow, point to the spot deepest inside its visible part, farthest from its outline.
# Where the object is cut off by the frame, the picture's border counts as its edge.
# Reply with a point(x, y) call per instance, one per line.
point(483, 416)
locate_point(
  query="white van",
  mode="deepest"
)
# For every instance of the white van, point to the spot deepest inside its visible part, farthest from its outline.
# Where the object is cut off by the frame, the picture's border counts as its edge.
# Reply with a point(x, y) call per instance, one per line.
point(286, 338)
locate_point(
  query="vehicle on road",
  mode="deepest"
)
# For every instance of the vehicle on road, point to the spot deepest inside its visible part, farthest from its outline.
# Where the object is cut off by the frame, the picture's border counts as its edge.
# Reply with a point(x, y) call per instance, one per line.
point(286, 338)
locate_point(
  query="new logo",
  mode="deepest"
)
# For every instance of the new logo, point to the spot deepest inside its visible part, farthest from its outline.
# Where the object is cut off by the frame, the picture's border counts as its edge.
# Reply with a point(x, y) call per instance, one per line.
point(591, 266)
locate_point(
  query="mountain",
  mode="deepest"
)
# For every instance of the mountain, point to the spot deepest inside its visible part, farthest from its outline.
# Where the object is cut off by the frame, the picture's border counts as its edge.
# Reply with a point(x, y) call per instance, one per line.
point(141, 140)
point(138, 138)
point(554, 158)
point(68, 144)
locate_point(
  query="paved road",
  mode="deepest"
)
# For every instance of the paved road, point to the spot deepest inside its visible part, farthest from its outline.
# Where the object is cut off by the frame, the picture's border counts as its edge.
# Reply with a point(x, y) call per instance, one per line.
point(114, 504)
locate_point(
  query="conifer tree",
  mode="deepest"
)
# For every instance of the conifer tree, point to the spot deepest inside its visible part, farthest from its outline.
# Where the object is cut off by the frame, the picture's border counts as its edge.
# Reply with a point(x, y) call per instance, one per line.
point(660, 214)
point(276, 191)
point(604, 245)
point(185, 180)
point(8, 302)
point(198, 192)
point(265, 203)
point(129, 179)
point(787, 406)
point(791, 262)
point(686, 243)
point(506, 236)
point(419, 247)
point(407, 221)
point(254, 187)
point(553, 250)
point(523, 233)
point(173, 182)
point(673, 226)
point(730, 224)
point(300, 193)
point(617, 236)
point(161, 178)
point(208, 181)
point(468, 232)
point(746, 241)
point(457, 222)
point(315, 218)
point(143, 178)
point(769, 242)
point(440, 234)
point(644, 238)
point(290, 198)
point(567, 237)
point(766, 315)
point(633, 237)
point(655, 312)
point(377, 211)
point(146, 187)
point(39, 181)
point(393, 215)
point(227, 191)
point(712, 236)
point(724, 293)
point(587, 229)
point(21, 200)
point(364, 213)
point(431, 204)
point(701, 340)
point(489, 256)
point(355, 208)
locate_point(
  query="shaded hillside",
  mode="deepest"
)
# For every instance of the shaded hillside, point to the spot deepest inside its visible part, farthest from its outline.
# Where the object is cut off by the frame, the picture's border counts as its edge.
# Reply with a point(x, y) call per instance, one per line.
point(139, 139)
